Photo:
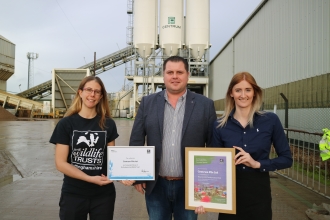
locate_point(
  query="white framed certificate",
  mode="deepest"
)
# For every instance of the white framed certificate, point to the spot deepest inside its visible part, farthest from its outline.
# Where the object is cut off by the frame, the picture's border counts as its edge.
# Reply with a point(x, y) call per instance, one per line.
point(210, 179)
point(131, 163)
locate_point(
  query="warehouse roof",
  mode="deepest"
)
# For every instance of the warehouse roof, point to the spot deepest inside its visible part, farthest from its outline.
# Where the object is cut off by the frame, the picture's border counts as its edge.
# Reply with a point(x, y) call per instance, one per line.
point(3, 38)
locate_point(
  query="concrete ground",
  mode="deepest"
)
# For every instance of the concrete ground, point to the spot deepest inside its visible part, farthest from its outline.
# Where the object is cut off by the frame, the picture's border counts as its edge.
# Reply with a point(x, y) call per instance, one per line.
point(30, 185)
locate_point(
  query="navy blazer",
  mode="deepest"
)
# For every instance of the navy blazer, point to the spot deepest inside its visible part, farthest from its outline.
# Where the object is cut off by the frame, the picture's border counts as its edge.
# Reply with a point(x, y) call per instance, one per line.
point(196, 129)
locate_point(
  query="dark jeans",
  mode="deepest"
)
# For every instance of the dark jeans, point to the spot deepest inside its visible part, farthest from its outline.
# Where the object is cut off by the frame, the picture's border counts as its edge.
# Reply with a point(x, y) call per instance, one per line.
point(166, 198)
point(77, 208)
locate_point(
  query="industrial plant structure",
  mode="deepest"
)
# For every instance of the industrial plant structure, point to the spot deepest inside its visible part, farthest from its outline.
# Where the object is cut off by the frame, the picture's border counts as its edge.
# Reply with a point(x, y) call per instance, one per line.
point(7, 69)
point(152, 37)
point(171, 32)
point(284, 44)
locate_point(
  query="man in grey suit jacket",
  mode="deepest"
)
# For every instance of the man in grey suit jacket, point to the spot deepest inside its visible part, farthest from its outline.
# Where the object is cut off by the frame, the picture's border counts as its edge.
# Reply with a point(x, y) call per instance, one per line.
point(171, 120)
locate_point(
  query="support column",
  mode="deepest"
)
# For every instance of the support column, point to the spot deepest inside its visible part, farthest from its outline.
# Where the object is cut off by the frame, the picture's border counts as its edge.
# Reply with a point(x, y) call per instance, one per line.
point(18, 103)
point(134, 99)
point(31, 114)
point(4, 102)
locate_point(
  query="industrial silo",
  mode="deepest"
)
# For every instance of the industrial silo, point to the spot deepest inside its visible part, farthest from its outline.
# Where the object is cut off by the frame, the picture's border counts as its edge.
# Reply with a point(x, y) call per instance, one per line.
point(197, 27)
point(171, 26)
point(145, 26)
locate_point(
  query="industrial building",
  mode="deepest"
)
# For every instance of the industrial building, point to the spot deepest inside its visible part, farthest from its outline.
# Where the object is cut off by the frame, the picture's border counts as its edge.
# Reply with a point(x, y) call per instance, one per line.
point(7, 61)
point(285, 45)
point(7, 69)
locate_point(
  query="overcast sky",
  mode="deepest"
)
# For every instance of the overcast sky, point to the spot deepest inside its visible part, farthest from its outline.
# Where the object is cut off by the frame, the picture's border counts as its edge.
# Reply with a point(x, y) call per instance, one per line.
point(66, 33)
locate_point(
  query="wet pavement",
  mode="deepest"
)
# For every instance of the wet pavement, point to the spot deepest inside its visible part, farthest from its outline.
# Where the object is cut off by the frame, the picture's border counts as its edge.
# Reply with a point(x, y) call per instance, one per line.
point(30, 184)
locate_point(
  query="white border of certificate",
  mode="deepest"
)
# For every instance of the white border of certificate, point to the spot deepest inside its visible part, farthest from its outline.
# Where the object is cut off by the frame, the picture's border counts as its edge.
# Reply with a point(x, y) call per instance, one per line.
point(131, 163)
point(190, 203)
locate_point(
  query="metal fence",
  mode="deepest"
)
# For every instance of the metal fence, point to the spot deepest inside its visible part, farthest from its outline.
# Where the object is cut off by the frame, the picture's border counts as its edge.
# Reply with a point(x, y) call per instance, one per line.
point(307, 169)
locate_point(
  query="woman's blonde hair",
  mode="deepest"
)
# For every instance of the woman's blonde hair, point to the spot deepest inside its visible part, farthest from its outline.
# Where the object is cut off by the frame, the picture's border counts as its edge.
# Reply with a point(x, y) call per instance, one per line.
point(102, 108)
point(230, 103)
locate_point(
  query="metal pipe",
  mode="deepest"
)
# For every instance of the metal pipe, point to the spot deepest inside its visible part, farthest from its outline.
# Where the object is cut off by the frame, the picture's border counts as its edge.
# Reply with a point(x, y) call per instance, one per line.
point(286, 124)
point(232, 40)
point(286, 110)
point(94, 64)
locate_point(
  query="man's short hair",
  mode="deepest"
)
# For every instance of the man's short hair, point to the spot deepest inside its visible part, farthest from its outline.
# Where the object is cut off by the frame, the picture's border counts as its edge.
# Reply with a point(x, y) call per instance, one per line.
point(176, 59)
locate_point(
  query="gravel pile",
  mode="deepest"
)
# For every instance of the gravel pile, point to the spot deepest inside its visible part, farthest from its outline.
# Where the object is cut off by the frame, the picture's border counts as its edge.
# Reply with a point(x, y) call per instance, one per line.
point(6, 116)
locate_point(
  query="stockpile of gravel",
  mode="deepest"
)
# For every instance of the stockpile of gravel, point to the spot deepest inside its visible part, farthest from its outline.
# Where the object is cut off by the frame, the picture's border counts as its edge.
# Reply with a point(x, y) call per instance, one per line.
point(6, 115)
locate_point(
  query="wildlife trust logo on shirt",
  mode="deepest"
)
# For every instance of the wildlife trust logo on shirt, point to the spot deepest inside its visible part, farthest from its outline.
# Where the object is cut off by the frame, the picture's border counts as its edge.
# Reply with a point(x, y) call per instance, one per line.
point(88, 149)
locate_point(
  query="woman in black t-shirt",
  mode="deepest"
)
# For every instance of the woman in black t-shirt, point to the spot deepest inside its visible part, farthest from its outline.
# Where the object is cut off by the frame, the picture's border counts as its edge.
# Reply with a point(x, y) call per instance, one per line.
point(81, 139)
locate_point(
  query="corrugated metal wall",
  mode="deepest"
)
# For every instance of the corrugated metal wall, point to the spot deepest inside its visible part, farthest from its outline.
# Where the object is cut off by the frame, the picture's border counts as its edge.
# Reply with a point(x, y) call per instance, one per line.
point(221, 73)
point(7, 58)
point(3, 85)
point(285, 41)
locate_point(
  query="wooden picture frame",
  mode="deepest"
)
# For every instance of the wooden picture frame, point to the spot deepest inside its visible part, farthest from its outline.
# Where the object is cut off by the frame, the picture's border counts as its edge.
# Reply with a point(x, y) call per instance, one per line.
point(210, 179)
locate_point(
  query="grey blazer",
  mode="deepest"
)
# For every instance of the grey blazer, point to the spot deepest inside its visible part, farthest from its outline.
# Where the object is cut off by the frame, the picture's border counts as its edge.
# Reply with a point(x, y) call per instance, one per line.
point(196, 130)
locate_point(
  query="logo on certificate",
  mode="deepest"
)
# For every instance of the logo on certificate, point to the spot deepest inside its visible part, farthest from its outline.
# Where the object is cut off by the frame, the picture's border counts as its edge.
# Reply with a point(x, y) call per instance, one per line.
point(148, 151)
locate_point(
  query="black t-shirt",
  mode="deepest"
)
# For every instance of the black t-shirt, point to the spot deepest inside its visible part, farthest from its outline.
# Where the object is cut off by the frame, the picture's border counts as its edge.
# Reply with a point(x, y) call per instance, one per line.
point(87, 151)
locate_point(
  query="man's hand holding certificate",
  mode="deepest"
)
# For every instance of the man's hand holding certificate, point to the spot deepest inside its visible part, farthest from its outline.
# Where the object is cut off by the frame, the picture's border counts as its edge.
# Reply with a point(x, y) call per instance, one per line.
point(131, 163)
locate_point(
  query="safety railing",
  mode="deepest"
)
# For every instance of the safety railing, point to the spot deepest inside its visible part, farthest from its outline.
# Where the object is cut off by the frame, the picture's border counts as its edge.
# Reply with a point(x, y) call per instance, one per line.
point(307, 169)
